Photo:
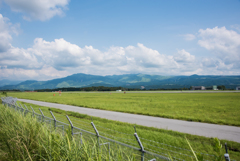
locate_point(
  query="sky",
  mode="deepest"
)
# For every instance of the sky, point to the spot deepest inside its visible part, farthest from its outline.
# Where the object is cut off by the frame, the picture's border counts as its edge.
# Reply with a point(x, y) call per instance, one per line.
point(48, 39)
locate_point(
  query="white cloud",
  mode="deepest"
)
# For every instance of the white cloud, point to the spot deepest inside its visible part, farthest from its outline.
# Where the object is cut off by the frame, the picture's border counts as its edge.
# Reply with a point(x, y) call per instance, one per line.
point(59, 53)
point(184, 56)
point(209, 62)
point(20, 58)
point(147, 57)
point(47, 60)
point(236, 27)
point(38, 9)
point(45, 73)
point(215, 66)
point(223, 43)
point(189, 37)
point(59, 58)
point(62, 54)
point(6, 29)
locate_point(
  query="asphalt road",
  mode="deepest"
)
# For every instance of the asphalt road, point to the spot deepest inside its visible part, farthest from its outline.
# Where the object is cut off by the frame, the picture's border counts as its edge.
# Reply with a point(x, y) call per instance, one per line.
point(196, 128)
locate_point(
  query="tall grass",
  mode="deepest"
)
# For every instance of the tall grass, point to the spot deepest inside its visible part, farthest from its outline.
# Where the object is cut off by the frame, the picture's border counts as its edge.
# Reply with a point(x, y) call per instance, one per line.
point(24, 138)
point(111, 129)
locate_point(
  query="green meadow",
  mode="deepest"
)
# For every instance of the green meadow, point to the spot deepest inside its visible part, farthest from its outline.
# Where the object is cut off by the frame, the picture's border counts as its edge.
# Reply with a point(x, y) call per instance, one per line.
point(161, 141)
point(23, 137)
point(217, 108)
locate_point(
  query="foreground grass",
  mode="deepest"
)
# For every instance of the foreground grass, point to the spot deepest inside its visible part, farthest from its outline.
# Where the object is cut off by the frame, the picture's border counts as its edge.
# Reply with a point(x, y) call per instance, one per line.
point(24, 138)
point(217, 108)
point(160, 141)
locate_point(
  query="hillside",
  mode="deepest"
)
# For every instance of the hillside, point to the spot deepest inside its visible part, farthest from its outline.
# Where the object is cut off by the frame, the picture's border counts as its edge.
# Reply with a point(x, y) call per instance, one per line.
point(129, 81)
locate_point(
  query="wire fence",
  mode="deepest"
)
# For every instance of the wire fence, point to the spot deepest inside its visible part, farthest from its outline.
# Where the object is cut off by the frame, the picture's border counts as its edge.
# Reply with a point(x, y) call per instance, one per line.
point(108, 143)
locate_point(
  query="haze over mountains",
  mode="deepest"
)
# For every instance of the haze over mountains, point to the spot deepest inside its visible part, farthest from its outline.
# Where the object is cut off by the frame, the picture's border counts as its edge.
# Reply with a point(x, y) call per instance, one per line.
point(8, 82)
point(126, 80)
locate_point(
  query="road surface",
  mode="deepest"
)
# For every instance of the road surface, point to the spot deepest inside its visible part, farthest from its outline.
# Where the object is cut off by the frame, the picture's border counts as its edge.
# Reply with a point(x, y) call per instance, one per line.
point(196, 128)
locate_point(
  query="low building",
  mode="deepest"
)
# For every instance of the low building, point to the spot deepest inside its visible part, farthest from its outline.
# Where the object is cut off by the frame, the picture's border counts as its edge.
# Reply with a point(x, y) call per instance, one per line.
point(238, 88)
point(215, 87)
point(119, 90)
point(211, 87)
point(198, 88)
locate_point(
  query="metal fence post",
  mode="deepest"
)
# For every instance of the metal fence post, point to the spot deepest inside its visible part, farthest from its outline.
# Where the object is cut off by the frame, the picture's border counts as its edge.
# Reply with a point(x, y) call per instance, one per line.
point(55, 121)
point(42, 115)
point(26, 110)
point(22, 109)
point(227, 157)
point(97, 134)
point(25, 106)
point(140, 144)
point(72, 130)
point(70, 124)
point(33, 112)
point(17, 106)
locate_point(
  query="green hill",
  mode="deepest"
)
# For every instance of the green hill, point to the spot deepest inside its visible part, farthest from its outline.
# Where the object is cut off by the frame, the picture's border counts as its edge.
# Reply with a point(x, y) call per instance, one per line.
point(129, 81)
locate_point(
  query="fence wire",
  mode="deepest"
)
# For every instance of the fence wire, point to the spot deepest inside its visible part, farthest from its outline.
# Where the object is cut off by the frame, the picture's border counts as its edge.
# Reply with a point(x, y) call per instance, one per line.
point(108, 144)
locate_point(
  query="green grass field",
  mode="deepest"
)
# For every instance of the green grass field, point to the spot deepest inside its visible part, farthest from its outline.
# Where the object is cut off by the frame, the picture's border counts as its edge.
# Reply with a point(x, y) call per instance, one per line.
point(163, 139)
point(123, 132)
point(217, 108)
point(23, 137)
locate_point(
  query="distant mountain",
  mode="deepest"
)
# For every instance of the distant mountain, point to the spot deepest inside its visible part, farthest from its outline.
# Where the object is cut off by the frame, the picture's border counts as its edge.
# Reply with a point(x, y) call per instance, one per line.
point(8, 82)
point(129, 81)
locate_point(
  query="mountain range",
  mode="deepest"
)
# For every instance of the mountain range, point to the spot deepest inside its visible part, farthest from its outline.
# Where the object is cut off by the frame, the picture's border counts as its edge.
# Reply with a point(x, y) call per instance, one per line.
point(8, 82)
point(128, 81)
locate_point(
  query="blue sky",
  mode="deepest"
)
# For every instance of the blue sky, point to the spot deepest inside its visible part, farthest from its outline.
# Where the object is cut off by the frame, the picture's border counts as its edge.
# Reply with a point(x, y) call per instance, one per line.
point(48, 39)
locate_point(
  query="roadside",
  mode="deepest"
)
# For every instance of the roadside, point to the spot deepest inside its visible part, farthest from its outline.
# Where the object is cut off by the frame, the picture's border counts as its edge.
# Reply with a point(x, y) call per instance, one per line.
point(195, 128)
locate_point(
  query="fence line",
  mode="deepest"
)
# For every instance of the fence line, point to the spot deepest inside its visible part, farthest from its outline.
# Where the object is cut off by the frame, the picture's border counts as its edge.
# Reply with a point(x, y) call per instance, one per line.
point(141, 152)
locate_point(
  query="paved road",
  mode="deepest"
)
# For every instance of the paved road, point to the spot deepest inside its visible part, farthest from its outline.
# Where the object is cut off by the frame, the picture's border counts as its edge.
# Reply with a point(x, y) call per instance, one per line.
point(196, 128)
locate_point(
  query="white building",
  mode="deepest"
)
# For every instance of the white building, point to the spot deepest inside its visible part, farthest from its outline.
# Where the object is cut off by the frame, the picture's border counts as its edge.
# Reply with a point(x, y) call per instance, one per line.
point(198, 88)
point(119, 90)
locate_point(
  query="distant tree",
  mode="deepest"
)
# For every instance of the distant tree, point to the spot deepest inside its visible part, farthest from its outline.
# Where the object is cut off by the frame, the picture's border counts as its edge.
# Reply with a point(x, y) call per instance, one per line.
point(4, 93)
point(221, 87)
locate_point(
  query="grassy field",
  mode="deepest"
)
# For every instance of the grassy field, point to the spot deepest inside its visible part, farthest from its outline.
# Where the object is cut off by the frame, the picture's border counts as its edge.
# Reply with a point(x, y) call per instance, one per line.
point(25, 138)
point(160, 140)
point(217, 108)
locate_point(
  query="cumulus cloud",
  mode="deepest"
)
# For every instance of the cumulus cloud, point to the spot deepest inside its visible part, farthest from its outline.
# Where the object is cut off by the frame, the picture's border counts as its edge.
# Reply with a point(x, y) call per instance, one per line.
point(20, 58)
point(223, 43)
point(6, 30)
point(216, 66)
point(209, 62)
point(45, 73)
point(62, 54)
point(12, 57)
point(189, 37)
point(147, 57)
point(184, 56)
point(62, 57)
point(236, 27)
point(38, 9)
point(59, 58)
